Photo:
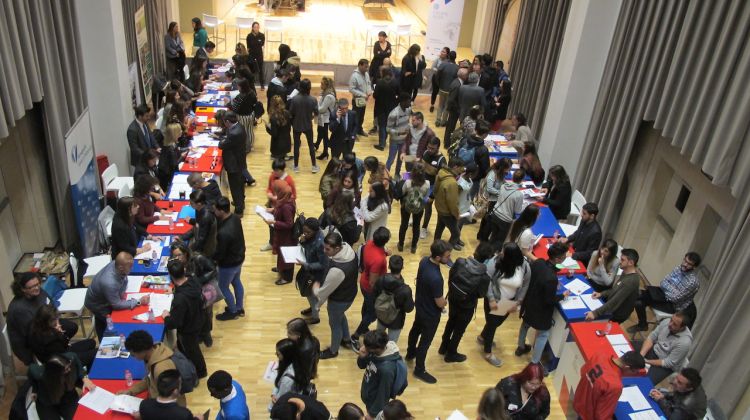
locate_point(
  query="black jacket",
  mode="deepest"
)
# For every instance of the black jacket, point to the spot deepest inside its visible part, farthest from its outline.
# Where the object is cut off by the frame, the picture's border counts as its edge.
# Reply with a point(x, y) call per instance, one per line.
point(402, 297)
point(201, 268)
point(230, 242)
point(414, 80)
point(452, 102)
point(481, 157)
point(586, 240)
point(124, 237)
point(212, 191)
point(316, 260)
point(386, 96)
point(169, 160)
point(204, 233)
point(540, 301)
point(141, 169)
point(533, 409)
point(186, 314)
point(233, 148)
point(558, 199)
point(446, 74)
point(137, 142)
point(255, 45)
point(21, 312)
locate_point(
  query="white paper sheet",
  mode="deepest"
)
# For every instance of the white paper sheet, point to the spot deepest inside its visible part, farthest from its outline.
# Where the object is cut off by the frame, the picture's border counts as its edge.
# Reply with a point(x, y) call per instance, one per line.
point(570, 263)
point(615, 339)
point(180, 179)
point(645, 415)
point(592, 303)
point(508, 149)
point(155, 246)
point(572, 302)
point(503, 306)
point(174, 194)
point(270, 374)
point(96, 264)
point(263, 213)
point(160, 302)
point(457, 415)
point(633, 396)
point(577, 286)
point(161, 223)
point(142, 317)
point(359, 217)
point(292, 253)
point(621, 349)
point(126, 404)
point(496, 137)
point(98, 400)
point(134, 284)
point(568, 229)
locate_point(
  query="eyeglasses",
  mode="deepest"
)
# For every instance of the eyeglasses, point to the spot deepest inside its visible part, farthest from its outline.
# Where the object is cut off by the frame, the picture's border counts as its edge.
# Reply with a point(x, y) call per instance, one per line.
point(33, 286)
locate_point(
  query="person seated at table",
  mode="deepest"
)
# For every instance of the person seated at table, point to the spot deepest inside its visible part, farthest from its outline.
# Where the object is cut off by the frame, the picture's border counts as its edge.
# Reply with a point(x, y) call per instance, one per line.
point(28, 299)
point(202, 269)
point(186, 315)
point(202, 237)
point(603, 266)
point(143, 190)
point(521, 233)
point(54, 385)
point(156, 357)
point(125, 232)
point(675, 292)
point(197, 75)
point(620, 299)
point(586, 239)
point(667, 346)
point(526, 396)
point(231, 396)
point(107, 289)
point(278, 172)
point(531, 164)
point(47, 338)
point(164, 406)
point(171, 154)
point(686, 401)
point(600, 385)
point(210, 188)
point(523, 135)
point(148, 165)
point(558, 192)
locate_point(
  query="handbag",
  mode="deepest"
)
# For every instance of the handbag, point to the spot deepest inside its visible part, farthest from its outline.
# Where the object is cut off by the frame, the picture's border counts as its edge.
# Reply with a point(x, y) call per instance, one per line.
point(304, 281)
point(211, 293)
point(360, 102)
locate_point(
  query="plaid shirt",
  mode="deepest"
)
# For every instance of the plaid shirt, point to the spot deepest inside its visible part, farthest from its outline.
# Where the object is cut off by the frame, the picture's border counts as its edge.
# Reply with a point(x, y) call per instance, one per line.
point(680, 287)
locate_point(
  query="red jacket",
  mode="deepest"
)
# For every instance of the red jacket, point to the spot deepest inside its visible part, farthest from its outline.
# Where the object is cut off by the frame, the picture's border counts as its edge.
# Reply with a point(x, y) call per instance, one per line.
point(599, 388)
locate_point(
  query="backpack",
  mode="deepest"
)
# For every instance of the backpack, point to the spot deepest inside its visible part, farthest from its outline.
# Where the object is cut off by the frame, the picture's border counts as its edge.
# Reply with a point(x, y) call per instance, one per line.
point(299, 223)
point(188, 374)
point(468, 279)
point(413, 201)
point(400, 382)
point(385, 307)
point(466, 153)
point(397, 190)
point(258, 109)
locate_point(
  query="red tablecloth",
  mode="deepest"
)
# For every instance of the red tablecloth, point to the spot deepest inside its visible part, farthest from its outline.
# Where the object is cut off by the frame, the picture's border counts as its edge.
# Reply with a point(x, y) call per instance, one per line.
point(205, 162)
point(84, 413)
point(126, 315)
point(177, 205)
point(584, 334)
point(180, 227)
point(540, 251)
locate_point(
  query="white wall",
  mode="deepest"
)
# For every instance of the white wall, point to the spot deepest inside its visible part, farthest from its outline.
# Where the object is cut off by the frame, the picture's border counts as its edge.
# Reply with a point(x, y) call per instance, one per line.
point(100, 25)
point(588, 35)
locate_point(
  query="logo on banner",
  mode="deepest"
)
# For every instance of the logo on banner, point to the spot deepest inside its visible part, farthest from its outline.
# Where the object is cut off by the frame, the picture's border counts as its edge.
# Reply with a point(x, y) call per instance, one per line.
point(446, 1)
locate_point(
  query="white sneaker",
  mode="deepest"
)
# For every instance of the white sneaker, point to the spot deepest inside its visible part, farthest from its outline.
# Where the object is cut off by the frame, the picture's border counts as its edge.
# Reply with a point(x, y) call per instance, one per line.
point(296, 169)
point(423, 233)
point(315, 169)
point(266, 247)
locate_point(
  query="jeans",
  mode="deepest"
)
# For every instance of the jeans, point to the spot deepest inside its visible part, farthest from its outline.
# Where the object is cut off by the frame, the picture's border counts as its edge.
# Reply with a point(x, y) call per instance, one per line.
point(360, 117)
point(338, 323)
point(382, 129)
point(541, 341)
point(420, 337)
point(313, 301)
point(458, 319)
point(415, 219)
point(393, 334)
point(297, 142)
point(368, 312)
point(323, 137)
point(451, 223)
point(227, 276)
point(394, 151)
point(490, 326)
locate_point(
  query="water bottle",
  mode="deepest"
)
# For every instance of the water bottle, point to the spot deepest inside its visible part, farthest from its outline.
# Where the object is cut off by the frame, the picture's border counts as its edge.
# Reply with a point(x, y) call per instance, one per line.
point(171, 203)
point(171, 224)
point(110, 324)
point(151, 317)
point(154, 257)
point(128, 378)
point(122, 342)
point(608, 327)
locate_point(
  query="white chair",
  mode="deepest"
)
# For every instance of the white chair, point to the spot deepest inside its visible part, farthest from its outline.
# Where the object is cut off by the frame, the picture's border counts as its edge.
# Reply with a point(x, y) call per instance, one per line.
point(576, 207)
point(104, 230)
point(403, 30)
point(8, 352)
point(213, 22)
point(96, 264)
point(124, 191)
point(72, 302)
point(274, 25)
point(372, 36)
point(112, 181)
point(245, 23)
point(31, 413)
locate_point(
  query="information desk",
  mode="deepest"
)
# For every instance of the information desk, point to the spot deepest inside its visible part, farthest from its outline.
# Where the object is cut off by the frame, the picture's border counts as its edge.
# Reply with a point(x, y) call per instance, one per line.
point(126, 316)
point(203, 159)
point(644, 385)
point(540, 251)
point(179, 227)
point(84, 413)
point(212, 98)
point(546, 224)
point(182, 207)
point(205, 114)
point(115, 368)
point(146, 267)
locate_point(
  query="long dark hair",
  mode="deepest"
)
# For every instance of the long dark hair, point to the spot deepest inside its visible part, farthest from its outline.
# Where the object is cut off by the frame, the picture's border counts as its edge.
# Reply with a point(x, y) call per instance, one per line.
point(290, 356)
point(381, 196)
point(55, 380)
point(525, 220)
point(331, 169)
point(198, 24)
point(559, 172)
point(123, 210)
point(611, 245)
point(512, 259)
point(342, 207)
point(171, 27)
point(42, 322)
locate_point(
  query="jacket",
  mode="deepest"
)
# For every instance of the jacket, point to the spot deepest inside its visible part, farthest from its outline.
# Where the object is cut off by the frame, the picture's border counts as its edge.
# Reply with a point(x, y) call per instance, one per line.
point(275, 88)
point(468, 96)
point(339, 133)
point(558, 199)
point(159, 362)
point(234, 406)
point(377, 382)
point(596, 396)
point(414, 66)
point(533, 409)
point(446, 193)
point(421, 145)
point(147, 211)
point(452, 104)
point(124, 237)
point(340, 284)
point(105, 292)
point(684, 405)
point(386, 96)
point(316, 260)
point(212, 191)
point(186, 315)
point(137, 142)
point(21, 312)
point(402, 297)
point(326, 107)
point(201, 268)
point(620, 299)
point(586, 240)
point(446, 74)
point(203, 234)
point(374, 218)
point(481, 156)
point(458, 294)
point(255, 43)
point(359, 84)
point(303, 109)
point(509, 202)
point(169, 161)
point(541, 298)
point(233, 148)
point(398, 124)
point(230, 242)
point(173, 46)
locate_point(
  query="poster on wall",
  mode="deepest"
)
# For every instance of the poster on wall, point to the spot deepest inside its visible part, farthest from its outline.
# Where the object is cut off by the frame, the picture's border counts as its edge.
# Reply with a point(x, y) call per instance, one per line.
point(443, 26)
point(135, 93)
point(145, 60)
point(84, 189)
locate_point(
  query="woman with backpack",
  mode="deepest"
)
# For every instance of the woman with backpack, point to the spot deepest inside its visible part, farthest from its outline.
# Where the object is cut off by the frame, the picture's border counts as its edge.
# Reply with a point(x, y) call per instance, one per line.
point(504, 295)
point(415, 190)
point(393, 299)
point(340, 215)
point(283, 211)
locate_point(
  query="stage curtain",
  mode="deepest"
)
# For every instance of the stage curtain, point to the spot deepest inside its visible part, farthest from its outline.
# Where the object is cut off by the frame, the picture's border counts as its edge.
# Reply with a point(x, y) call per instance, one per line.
point(157, 20)
point(41, 63)
point(534, 60)
point(498, 20)
point(685, 65)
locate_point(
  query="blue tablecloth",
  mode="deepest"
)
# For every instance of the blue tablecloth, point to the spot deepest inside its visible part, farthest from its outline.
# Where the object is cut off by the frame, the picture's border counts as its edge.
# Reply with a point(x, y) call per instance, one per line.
point(572, 315)
point(186, 212)
point(624, 410)
point(140, 268)
point(115, 368)
point(546, 224)
point(216, 102)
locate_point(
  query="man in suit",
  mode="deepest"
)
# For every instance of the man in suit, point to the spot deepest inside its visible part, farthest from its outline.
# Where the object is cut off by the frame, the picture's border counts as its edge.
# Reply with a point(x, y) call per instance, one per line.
point(470, 94)
point(139, 136)
point(343, 126)
point(233, 147)
point(452, 104)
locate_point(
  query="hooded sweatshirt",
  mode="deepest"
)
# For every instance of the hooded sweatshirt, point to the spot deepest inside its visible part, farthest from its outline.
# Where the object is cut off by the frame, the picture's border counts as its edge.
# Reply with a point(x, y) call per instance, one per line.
point(402, 297)
point(340, 283)
point(446, 193)
point(159, 362)
point(380, 373)
point(509, 202)
point(186, 312)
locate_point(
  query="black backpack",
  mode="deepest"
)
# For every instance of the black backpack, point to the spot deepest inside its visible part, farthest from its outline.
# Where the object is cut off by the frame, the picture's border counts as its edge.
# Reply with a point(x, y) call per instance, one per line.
point(468, 280)
point(258, 110)
point(397, 192)
point(298, 225)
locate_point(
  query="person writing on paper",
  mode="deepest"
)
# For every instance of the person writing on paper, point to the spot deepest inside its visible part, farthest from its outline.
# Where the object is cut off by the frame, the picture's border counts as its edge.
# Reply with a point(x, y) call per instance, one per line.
point(231, 396)
point(284, 209)
point(686, 401)
point(521, 233)
point(164, 406)
point(508, 287)
point(601, 384)
point(147, 211)
point(54, 386)
point(125, 232)
point(620, 299)
point(667, 346)
point(156, 357)
point(186, 315)
point(313, 268)
point(525, 394)
point(586, 239)
point(603, 266)
point(107, 289)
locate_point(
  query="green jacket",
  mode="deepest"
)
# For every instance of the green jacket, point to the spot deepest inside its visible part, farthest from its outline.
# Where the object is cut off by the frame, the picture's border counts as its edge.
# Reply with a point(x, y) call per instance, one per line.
point(446, 193)
point(200, 37)
point(621, 297)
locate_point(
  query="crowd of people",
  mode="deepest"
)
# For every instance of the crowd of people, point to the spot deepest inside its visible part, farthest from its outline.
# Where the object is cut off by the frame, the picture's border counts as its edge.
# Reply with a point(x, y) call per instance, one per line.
point(347, 250)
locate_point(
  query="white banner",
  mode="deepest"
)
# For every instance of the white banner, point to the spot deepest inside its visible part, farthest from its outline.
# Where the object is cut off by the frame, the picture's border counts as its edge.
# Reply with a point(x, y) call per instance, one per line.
point(443, 26)
point(144, 53)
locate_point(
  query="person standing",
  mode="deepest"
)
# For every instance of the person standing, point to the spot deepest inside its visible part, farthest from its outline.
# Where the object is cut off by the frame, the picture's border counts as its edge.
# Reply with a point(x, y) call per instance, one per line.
point(186, 315)
point(446, 74)
point(255, 42)
point(139, 135)
point(202, 269)
point(156, 358)
point(416, 190)
point(380, 51)
point(313, 268)
point(620, 299)
point(234, 160)
point(165, 404)
point(525, 394)
point(279, 126)
point(600, 385)
point(200, 36)
point(303, 108)
point(394, 287)
point(452, 105)
point(386, 99)
point(412, 66)
point(202, 236)
point(379, 357)
point(283, 210)
point(343, 126)
point(432, 161)
point(229, 256)
point(398, 128)
point(373, 255)
point(375, 208)
point(429, 304)
point(231, 396)
point(326, 108)
point(446, 201)
point(470, 94)
point(361, 88)
point(174, 49)
point(509, 203)
point(493, 183)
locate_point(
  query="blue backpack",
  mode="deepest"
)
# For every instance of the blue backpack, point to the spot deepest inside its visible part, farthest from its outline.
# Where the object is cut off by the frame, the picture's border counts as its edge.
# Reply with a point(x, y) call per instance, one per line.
point(466, 153)
point(400, 382)
point(54, 287)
